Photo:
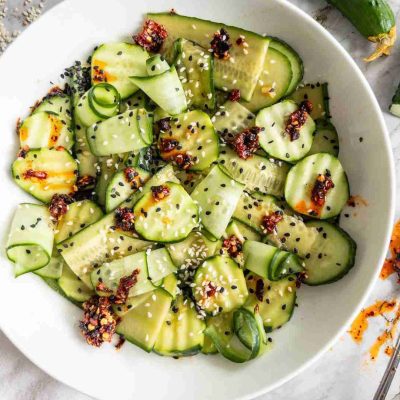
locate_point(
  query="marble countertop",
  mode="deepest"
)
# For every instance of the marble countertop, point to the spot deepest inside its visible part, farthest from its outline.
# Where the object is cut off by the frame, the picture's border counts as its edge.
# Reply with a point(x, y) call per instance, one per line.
point(345, 372)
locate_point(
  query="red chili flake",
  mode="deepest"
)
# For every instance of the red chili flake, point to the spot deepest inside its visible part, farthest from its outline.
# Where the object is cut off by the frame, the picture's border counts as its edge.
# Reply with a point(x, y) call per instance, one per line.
point(30, 173)
point(297, 119)
point(164, 124)
point(121, 342)
point(160, 192)
point(246, 143)
point(239, 40)
point(101, 287)
point(233, 245)
point(152, 36)
point(270, 221)
point(210, 289)
point(59, 205)
point(84, 182)
point(183, 160)
point(99, 321)
point(259, 292)
point(321, 187)
point(220, 44)
point(23, 152)
point(125, 284)
point(167, 145)
point(125, 219)
point(300, 277)
point(234, 95)
point(131, 175)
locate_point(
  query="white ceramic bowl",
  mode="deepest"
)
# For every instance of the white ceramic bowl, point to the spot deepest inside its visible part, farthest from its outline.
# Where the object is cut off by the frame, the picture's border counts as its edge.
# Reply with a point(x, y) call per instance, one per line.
point(44, 326)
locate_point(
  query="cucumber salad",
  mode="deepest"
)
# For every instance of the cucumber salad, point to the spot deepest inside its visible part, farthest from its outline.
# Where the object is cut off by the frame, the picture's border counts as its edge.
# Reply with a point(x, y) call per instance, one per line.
point(188, 184)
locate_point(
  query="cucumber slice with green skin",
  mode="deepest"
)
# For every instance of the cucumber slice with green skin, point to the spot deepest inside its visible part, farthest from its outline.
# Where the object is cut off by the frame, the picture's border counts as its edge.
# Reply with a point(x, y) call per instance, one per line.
point(53, 270)
point(131, 303)
point(111, 273)
point(156, 65)
point(318, 94)
point(115, 63)
point(258, 257)
point(295, 62)
point(242, 72)
point(274, 81)
point(96, 244)
point(286, 265)
point(30, 241)
point(86, 160)
point(208, 346)
point(189, 179)
point(276, 300)
point(326, 139)
point(79, 215)
point(164, 89)
point(196, 137)
point(192, 250)
point(217, 195)
point(73, 287)
point(145, 125)
point(170, 284)
point(160, 264)
point(118, 134)
point(220, 285)
point(257, 173)
point(241, 231)
point(273, 138)
point(182, 332)
point(45, 129)
point(395, 106)
point(220, 330)
point(120, 189)
point(166, 220)
point(56, 167)
point(97, 104)
point(137, 100)
point(195, 66)
point(301, 180)
point(332, 255)
point(232, 118)
point(142, 325)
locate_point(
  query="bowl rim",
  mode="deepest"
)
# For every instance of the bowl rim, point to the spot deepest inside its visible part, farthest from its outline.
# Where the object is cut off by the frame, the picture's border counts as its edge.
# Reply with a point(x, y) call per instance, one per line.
point(392, 185)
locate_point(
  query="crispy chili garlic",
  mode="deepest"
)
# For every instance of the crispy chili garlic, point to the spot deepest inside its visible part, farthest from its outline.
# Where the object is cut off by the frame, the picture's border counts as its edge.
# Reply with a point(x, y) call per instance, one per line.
point(132, 176)
point(99, 322)
point(30, 173)
point(159, 192)
point(321, 187)
point(259, 292)
point(220, 44)
point(210, 290)
point(269, 222)
point(232, 245)
point(99, 75)
point(125, 219)
point(164, 124)
point(167, 145)
point(125, 284)
point(59, 205)
point(247, 142)
point(23, 152)
point(234, 95)
point(297, 119)
point(152, 36)
point(84, 182)
point(184, 160)
point(101, 287)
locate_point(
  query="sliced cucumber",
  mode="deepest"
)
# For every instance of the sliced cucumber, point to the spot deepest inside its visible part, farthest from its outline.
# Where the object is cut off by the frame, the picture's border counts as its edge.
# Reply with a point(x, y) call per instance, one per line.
point(160, 264)
point(275, 301)
point(273, 138)
point(318, 95)
point(45, 129)
point(302, 178)
point(332, 255)
point(164, 89)
point(326, 139)
point(137, 100)
point(274, 81)
point(258, 257)
point(145, 124)
point(182, 332)
point(86, 160)
point(45, 172)
point(142, 325)
point(220, 285)
point(217, 195)
point(53, 270)
point(189, 179)
point(118, 134)
point(79, 215)
point(156, 65)
point(209, 346)
point(193, 134)
point(170, 284)
point(115, 63)
point(119, 188)
point(30, 241)
point(196, 71)
point(131, 303)
point(242, 72)
point(257, 173)
point(73, 287)
point(241, 231)
point(295, 62)
point(284, 264)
